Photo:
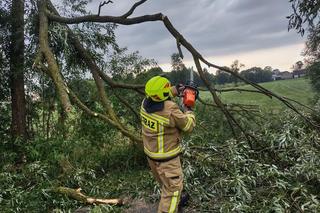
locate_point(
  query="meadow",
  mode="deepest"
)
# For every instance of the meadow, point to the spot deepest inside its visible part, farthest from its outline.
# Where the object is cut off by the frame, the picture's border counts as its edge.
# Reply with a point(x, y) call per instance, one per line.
point(296, 89)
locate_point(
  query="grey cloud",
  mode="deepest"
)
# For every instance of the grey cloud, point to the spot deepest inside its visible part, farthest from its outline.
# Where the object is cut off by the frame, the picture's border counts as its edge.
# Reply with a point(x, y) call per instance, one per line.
point(214, 27)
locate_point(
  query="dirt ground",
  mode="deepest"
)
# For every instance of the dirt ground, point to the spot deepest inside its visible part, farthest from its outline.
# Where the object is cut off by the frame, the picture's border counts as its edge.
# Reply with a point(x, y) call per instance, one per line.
point(140, 206)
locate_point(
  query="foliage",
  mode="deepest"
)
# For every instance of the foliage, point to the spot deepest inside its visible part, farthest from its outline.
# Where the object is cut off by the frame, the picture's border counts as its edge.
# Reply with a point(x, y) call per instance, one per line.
point(143, 77)
point(97, 167)
point(223, 77)
point(306, 16)
point(176, 62)
point(304, 11)
point(235, 67)
point(4, 46)
point(280, 174)
point(5, 118)
point(221, 173)
point(123, 65)
point(312, 49)
point(297, 66)
point(314, 74)
point(181, 74)
point(254, 74)
point(257, 75)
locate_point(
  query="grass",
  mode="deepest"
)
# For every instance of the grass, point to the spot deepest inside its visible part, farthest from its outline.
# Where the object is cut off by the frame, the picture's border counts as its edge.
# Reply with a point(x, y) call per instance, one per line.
point(296, 89)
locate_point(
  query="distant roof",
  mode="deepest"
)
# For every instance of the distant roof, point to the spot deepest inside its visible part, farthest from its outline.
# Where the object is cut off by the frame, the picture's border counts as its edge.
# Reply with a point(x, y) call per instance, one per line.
point(299, 72)
point(285, 72)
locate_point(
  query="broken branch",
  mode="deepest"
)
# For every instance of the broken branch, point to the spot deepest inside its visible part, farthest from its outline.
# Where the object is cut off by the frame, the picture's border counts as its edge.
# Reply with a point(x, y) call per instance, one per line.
point(77, 195)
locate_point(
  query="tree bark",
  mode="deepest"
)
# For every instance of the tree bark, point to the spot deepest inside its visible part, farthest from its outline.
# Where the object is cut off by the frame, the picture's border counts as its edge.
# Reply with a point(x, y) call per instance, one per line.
point(18, 102)
point(50, 109)
point(47, 53)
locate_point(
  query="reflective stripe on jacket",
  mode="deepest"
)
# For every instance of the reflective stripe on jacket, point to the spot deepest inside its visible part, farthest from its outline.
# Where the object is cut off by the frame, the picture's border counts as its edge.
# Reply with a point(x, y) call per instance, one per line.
point(161, 131)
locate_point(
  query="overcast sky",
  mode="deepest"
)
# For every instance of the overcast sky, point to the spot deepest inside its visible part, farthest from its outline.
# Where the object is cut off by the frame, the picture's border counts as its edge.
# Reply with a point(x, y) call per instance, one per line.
point(253, 31)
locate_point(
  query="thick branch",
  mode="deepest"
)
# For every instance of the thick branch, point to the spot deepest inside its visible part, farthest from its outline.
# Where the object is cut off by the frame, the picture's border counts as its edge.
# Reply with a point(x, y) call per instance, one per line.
point(50, 59)
point(105, 19)
point(103, 95)
point(179, 49)
point(77, 195)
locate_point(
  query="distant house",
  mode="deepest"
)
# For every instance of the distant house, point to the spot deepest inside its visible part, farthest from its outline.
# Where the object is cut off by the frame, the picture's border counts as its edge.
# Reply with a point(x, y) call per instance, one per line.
point(286, 75)
point(277, 75)
point(299, 73)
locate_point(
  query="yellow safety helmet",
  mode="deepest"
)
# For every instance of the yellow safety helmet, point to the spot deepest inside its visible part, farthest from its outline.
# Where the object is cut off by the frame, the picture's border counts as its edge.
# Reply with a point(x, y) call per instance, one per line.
point(158, 88)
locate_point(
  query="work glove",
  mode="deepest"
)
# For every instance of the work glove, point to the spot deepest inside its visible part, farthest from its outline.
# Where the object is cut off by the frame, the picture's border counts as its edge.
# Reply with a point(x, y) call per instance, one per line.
point(179, 88)
point(187, 108)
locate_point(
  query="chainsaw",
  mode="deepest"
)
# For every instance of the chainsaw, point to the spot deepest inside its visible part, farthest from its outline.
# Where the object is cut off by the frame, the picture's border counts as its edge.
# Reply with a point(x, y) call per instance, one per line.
point(189, 94)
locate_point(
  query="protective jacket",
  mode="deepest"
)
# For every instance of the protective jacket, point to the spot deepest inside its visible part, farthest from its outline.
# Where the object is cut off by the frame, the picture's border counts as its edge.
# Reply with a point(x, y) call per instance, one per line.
point(161, 130)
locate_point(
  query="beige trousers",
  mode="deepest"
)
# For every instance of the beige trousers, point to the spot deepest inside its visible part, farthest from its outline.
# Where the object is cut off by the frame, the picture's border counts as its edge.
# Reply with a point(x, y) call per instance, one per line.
point(169, 175)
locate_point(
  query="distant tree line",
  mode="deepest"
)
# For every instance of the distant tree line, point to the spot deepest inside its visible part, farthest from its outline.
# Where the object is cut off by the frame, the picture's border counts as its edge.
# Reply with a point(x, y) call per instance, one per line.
point(178, 74)
point(254, 74)
point(181, 74)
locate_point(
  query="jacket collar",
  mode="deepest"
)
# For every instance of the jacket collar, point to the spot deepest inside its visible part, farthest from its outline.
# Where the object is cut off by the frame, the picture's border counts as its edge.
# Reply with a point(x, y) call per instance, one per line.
point(151, 106)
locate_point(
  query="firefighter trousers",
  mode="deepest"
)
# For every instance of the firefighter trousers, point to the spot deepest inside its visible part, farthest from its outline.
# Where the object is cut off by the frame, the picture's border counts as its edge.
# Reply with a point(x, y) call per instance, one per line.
point(170, 177)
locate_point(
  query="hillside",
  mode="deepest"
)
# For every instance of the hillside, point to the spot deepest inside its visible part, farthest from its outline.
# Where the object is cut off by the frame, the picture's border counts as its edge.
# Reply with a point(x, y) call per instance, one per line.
point(297, 89)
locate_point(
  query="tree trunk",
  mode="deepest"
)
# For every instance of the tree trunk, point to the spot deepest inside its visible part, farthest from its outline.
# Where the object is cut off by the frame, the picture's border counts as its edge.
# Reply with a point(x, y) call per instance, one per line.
point(50, 109)
point(18, 102)
point(62, 128)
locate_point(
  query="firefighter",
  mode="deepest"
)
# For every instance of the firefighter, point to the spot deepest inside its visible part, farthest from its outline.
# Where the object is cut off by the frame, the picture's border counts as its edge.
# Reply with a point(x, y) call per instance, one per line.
point(162, 124)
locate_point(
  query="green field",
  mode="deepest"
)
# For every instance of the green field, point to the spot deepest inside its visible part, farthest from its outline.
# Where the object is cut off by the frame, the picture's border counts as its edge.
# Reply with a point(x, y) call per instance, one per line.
point(297, 89)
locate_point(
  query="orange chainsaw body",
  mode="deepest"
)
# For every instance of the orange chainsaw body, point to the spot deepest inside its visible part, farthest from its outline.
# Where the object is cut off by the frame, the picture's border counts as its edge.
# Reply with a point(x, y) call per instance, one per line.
point(189, 97)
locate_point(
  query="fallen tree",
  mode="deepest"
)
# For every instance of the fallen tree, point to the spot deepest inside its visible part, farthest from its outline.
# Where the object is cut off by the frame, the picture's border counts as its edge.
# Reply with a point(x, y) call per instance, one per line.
point(46, 61)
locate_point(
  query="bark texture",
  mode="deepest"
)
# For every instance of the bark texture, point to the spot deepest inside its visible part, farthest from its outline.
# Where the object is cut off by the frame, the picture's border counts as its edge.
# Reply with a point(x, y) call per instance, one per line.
point(18, 101)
